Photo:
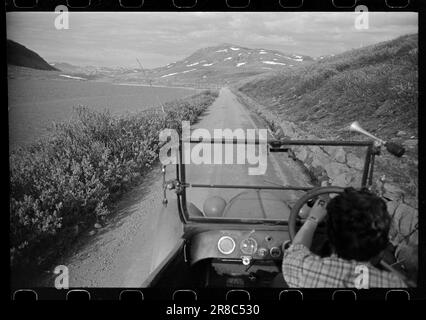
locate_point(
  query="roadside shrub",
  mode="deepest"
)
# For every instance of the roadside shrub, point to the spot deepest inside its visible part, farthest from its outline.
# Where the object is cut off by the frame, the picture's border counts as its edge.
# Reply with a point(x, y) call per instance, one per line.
point(72, 176)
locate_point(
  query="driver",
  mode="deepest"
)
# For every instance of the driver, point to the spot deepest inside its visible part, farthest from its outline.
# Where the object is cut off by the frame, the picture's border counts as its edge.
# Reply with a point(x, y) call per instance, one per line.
point(357, 226)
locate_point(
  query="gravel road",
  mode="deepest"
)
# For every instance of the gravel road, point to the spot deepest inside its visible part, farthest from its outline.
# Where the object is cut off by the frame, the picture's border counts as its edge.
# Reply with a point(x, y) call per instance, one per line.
point(121, 254)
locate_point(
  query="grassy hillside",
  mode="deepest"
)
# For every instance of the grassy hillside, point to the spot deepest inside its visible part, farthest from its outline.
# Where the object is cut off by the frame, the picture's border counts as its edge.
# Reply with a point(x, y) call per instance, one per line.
point(19, 55)
point(375, 85)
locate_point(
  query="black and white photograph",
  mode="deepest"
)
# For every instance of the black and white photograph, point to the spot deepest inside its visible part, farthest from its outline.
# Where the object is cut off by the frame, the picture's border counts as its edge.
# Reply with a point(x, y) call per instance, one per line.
point(201, 150)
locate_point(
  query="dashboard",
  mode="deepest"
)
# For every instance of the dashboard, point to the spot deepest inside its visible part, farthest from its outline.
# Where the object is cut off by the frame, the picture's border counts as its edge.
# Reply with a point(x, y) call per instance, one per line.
point(244, 245)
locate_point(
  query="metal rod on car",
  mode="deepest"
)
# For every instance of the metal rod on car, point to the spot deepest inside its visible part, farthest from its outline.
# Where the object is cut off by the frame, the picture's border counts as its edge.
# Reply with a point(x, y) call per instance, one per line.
point(234, 186)
point(281, 142)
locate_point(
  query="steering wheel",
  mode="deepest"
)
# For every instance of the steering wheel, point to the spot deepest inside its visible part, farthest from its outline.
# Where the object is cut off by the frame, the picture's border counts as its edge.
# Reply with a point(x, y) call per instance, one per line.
point(294, 213)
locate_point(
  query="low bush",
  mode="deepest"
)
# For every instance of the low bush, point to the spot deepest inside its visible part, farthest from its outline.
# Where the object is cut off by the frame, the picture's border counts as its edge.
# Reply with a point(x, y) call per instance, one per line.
point(71, 177)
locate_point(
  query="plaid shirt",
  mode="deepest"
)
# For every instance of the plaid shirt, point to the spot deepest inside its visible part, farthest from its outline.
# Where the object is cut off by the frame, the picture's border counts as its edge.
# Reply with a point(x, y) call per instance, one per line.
point(303, 269)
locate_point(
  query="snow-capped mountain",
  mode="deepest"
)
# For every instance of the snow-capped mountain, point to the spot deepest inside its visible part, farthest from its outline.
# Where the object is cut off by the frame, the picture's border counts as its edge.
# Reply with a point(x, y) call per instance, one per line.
point(219, 64)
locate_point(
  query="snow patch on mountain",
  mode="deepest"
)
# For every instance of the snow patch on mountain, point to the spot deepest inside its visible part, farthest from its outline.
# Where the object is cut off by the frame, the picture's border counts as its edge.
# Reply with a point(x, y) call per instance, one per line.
point(241, 64)
point(170, 74)
point(273, 62)
point(186, 71)
point(72, 77)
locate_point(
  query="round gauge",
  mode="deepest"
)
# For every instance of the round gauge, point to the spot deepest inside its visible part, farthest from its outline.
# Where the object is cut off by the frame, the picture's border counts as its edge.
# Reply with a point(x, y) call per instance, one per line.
point(275, 252)
point(248, 246)
point(226, 245)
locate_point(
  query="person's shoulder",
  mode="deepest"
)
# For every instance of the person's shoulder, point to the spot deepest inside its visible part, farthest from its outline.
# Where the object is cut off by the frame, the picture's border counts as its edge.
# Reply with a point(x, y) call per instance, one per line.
point(384, 279)
point(393, 281)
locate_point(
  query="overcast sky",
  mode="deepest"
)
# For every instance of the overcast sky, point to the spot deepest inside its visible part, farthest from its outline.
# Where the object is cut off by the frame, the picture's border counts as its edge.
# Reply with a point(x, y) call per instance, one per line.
point(117, 39)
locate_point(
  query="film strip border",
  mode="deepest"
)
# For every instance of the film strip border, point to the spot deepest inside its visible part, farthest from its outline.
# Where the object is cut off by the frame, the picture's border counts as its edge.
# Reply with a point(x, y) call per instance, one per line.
point(229, 295)
point(213, 5)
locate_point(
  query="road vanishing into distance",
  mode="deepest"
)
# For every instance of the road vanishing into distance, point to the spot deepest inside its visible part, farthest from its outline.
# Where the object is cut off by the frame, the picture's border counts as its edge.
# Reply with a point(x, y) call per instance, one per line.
point(228, 112)
point(141, 231)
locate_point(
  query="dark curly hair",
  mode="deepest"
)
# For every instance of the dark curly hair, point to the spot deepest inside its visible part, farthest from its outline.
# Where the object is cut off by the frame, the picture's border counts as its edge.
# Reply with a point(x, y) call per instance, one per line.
point(357, 224)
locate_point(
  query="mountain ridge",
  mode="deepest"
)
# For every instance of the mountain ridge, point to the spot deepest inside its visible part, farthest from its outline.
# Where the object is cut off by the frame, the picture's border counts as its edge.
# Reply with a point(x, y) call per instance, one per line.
point(19, 55)
point(219, 65)
point(209, 66)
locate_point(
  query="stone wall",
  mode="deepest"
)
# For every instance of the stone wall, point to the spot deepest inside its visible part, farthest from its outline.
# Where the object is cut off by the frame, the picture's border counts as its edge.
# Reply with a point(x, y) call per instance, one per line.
point(339, 166)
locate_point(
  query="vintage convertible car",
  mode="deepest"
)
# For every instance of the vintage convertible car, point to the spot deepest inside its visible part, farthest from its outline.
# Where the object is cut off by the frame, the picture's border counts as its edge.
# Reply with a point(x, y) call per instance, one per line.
point(239, 242)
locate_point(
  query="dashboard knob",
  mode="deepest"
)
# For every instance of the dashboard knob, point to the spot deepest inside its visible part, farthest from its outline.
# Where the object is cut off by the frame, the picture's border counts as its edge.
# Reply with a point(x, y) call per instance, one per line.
point(262, 252)
point(275, 252)
point(246, 260)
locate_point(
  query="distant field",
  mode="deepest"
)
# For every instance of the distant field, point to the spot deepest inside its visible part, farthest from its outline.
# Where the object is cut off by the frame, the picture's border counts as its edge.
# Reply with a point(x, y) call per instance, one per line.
point(35, 103)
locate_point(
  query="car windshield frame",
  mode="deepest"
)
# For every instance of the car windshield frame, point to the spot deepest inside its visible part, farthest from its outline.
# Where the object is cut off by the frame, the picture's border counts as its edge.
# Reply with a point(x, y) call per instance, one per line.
point(274, 145)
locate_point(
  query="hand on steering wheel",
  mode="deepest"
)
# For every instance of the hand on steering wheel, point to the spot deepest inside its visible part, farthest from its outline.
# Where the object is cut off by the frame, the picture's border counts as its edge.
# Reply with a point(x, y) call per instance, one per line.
point(318, 211)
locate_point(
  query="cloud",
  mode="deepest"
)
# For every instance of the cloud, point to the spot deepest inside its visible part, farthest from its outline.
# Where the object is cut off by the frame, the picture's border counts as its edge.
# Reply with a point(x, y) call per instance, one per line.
point(158, 38)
